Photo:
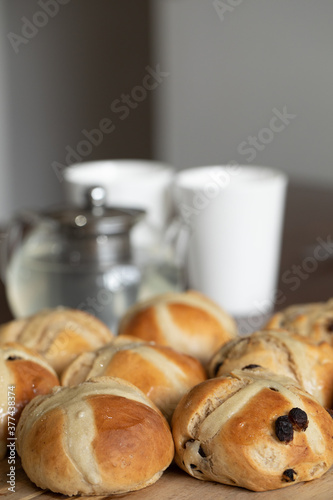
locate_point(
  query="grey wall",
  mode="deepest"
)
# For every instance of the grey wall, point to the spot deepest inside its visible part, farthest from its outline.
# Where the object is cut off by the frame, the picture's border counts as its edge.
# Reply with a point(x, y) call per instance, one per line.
point(230, 67)
point(62, 77)
point(225, 78)
point(4, 195)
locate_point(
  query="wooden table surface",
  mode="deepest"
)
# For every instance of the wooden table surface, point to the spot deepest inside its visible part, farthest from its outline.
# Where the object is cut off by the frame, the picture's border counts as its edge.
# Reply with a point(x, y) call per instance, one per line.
point(177, 485)
point(308, 222)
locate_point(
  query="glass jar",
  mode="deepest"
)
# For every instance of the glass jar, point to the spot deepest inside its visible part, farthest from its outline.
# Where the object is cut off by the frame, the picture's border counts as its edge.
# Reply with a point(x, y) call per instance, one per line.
point(85, 259)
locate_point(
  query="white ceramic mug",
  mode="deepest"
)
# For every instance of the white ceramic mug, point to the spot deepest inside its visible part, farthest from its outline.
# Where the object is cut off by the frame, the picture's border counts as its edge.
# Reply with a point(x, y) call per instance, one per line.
point(236, 217)
point(135, 183)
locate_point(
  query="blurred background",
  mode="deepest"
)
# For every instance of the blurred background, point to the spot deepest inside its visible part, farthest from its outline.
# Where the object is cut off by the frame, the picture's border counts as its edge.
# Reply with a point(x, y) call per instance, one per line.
point(62, 65)
point(227, 68)
point(191, 82)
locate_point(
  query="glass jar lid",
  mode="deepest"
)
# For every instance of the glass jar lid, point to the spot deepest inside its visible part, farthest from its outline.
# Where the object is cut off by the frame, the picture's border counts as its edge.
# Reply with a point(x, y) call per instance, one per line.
point(96, 218)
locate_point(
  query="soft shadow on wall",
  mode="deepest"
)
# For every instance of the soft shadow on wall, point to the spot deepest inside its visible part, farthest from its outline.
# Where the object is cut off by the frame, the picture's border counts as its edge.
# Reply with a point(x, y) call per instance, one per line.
point(80, 81)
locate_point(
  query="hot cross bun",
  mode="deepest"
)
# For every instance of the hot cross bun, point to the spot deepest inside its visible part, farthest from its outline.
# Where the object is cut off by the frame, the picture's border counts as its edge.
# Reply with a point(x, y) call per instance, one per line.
point(252, 429)
point(310, 365)
point(189, 322)
point(59, 335)
point(162, 373)
point(313, 322)
point(23, 375)
point(101, 437)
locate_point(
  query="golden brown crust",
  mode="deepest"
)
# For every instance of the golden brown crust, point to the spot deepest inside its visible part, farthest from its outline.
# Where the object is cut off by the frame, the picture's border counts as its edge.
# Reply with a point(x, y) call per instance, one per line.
point(99, 438)
point(162, 373)
point(189, 322)
point(24, 374)
point(313, 322)
point(193, 320)
point(50, 462)
point(129, 365)
point(226, 430)
point(30, 379)
point(59, 335)
point(10, 331)
point(126, 423)
point(309, 365)
point(145, 326)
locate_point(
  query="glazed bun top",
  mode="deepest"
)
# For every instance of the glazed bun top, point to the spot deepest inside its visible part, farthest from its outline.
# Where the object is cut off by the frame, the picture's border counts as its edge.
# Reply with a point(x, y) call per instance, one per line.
point(310, 365)
point(59, 335)
point(313, 321)
point(252, 429)
point(101, 437)
point(189, 322)
point(162, 373)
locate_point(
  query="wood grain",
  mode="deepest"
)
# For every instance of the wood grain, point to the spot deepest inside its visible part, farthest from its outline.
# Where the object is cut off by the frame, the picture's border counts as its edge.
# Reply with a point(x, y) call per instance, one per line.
point(176, 485)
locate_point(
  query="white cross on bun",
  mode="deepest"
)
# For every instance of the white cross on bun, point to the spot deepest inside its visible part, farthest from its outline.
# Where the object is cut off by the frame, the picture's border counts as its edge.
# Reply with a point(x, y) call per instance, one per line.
point(310, 365)
point(313, 322)
point(252, 429)
point(59, 334)
point(101, 437)
point(162, 373)
point(189, 322)
point(23, 375)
